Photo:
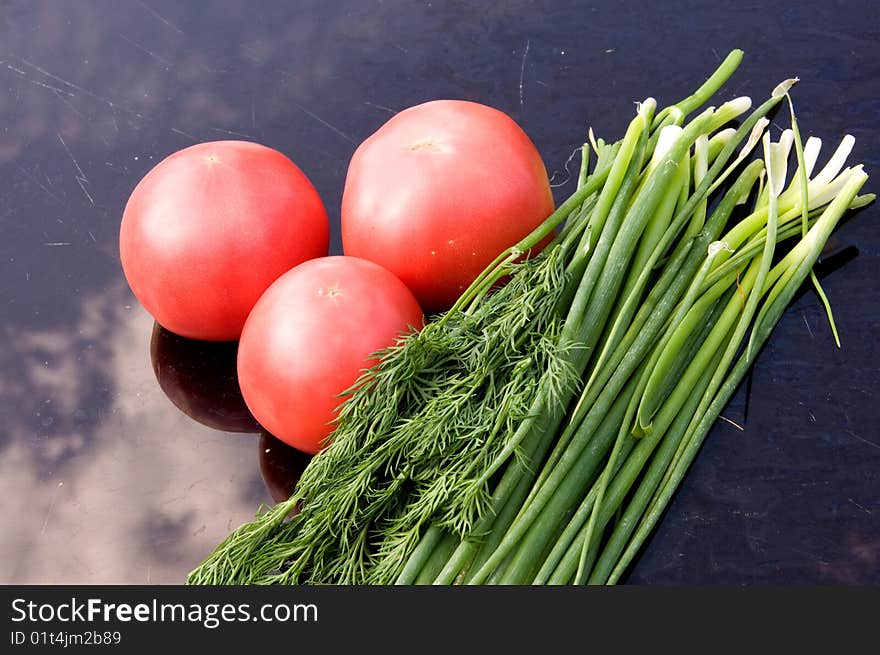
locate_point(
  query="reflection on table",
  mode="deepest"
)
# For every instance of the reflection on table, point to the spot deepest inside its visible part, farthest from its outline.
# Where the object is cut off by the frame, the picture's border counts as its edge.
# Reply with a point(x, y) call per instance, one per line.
point(199, 378)
point(281, 466)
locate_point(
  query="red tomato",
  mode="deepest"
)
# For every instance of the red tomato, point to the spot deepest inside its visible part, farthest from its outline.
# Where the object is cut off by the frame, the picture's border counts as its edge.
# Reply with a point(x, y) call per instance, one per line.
point(309, 337)
point(438, 192)
point(210, 227)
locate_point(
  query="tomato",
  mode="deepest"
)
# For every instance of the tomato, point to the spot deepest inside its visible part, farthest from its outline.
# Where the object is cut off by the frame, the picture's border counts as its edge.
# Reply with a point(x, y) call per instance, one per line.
point(309, 337)
point(438, 192)
point(210, 227)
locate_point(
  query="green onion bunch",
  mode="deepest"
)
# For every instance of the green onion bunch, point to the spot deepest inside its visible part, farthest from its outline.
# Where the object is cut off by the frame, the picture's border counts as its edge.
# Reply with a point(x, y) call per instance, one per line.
point(535, 432)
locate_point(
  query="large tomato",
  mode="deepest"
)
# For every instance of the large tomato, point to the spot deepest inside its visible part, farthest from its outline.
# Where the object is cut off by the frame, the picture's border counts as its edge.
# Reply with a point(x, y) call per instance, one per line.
point(309, 337)
point(210, 227)
point(438, 192)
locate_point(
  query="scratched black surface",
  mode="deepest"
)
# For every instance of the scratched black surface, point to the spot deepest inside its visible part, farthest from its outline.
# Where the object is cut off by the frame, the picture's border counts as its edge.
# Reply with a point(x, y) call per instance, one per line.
point(104, 478)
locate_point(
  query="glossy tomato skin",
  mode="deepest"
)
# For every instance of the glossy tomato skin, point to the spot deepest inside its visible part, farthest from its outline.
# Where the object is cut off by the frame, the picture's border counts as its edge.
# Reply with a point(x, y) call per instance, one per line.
point(210, 227)
point(438, 192)
point(310, 336)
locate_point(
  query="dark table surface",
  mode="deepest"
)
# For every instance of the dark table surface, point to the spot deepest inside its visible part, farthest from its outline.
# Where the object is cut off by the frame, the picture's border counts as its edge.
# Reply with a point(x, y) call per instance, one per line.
point(126, 453)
